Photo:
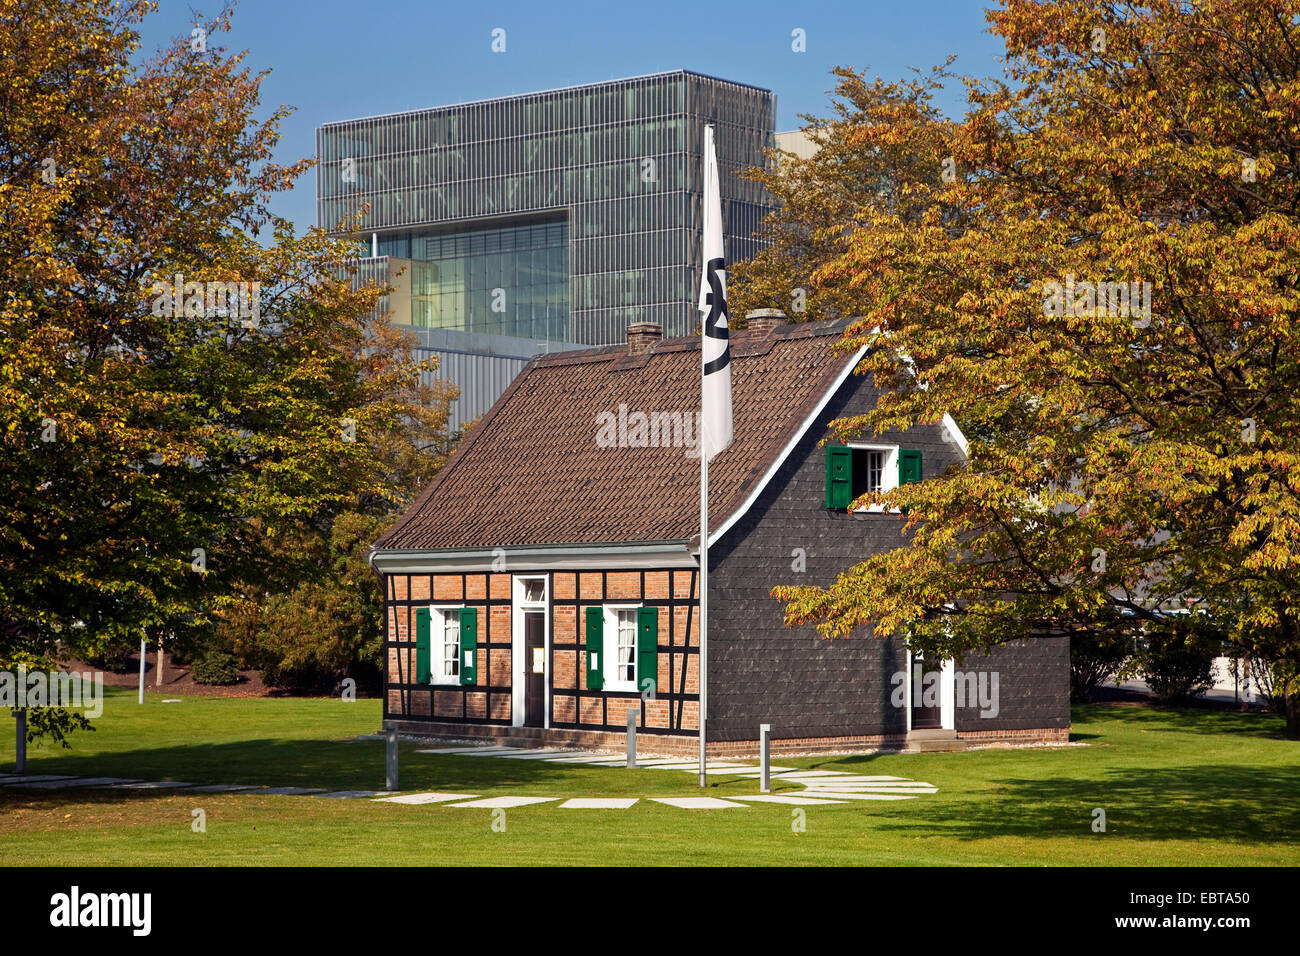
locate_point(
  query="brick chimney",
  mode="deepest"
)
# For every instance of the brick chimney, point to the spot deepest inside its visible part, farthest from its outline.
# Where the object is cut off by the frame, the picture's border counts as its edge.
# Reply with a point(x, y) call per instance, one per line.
point(763, 321)
point(642, 335)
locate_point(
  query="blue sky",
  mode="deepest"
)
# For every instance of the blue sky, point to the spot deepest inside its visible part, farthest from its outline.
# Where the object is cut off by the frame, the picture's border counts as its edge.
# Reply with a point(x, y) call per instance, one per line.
point(338, 59)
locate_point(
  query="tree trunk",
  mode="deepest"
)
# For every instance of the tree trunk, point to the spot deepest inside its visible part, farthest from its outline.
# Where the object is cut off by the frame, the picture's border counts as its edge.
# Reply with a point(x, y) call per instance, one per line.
point(158, 677)
point(1293, 713)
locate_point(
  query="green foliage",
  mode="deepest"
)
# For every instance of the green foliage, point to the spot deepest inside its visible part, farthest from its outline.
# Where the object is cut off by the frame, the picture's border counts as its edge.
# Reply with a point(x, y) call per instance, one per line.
point(115, 655)
point(54, 724)
point(1095, 658)
point(158, 455)
point(1123, 458)
point(328, 627)
point(216, 666)
point(1177, 661)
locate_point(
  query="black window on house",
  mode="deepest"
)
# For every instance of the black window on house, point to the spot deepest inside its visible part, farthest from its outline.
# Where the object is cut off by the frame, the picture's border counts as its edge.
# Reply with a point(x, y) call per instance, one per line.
point(868, 471)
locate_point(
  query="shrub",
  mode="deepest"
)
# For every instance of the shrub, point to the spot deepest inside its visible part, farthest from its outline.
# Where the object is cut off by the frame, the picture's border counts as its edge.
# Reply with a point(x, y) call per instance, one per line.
point(1094, 658)
point(115, 657)
point(216, 667)
point(1178, 660)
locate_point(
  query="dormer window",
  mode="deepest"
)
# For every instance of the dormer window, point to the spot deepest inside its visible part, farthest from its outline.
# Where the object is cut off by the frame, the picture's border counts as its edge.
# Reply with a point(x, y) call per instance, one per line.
point(860, 469)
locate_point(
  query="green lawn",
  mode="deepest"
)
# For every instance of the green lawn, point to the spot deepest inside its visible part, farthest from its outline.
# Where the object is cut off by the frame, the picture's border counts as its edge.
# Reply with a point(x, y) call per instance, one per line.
point(1178, 788)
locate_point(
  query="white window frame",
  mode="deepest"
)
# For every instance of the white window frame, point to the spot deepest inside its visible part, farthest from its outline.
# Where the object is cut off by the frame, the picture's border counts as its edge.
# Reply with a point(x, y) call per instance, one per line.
point(438, 615)
point(888, 473)
point(609, 646)
point(519, 666)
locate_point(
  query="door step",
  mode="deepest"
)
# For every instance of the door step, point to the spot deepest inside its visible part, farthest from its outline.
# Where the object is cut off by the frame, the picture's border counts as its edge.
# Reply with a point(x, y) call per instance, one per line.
point(933, 741)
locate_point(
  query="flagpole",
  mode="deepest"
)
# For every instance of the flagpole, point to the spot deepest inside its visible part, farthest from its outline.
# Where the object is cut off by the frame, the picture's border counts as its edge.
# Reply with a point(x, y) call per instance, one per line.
point(715, 429)
point(704, 588)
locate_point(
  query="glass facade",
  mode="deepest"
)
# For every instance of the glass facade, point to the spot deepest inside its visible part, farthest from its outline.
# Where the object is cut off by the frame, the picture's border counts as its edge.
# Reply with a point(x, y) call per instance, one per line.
point(564, 215)
point(499, 280)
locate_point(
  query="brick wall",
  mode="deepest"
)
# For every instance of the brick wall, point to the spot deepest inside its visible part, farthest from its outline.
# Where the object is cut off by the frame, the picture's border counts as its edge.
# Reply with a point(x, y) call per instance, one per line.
point(675, 708)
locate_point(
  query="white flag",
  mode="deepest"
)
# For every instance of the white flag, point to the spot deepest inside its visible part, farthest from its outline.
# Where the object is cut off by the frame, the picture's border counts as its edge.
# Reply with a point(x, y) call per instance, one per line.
point(715, 414)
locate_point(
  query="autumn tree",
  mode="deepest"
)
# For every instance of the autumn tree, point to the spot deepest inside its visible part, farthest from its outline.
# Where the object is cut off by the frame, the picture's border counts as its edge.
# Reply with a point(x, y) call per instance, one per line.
point(1104, 296)
point(325, 624)
point(822, 198)
point(183, 379)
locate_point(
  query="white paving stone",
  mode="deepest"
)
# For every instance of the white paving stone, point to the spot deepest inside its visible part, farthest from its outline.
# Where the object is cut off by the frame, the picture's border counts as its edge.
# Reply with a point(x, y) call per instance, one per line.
point(820, 773)
point(880, 788)
point(822, 786)
point(351, 794)
point(538, 753)
point(783, 798)
point(853, 778)
point(549, 756)
point(751, 772)
point(421, 798)
point(152, 785)
point(840, 795)
point(598, 803)
point(60, 783)
point(498, 803)
point(697, 803)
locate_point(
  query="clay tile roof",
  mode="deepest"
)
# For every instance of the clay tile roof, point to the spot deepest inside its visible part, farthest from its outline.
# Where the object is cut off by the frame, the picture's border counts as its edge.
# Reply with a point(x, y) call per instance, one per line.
point(534, 473)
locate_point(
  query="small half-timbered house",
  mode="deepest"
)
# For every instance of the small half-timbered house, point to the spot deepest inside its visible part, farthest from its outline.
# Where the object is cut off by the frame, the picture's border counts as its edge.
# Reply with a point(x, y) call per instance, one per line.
point(547, 581)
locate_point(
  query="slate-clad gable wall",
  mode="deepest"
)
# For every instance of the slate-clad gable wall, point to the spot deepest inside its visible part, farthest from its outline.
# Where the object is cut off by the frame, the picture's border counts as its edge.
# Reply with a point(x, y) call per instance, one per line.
point(763, 672)
point(1033, 686)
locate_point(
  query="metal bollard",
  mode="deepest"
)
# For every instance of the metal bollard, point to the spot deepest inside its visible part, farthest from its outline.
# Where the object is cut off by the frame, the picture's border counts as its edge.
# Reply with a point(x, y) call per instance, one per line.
point(765, 756)
point(390, 782)
point(631, 737)
point(20, 741)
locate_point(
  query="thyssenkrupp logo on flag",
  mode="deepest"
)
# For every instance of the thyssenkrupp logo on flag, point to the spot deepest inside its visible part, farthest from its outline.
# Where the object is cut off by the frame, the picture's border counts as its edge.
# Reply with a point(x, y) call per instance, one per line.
point(715, 418)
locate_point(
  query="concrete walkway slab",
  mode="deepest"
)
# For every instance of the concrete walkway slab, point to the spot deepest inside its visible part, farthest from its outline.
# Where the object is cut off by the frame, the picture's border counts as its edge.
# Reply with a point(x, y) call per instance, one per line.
point(697, 803)
point(72, 782)
point(153, 785)
point(782, 798)
point(501, 803)
point(351, 794)
point(598, 803)
point(839, 795)
point(418, 799)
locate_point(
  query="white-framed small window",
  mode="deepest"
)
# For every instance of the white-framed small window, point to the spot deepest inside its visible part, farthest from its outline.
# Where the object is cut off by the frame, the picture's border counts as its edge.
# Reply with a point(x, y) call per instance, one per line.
point(875, 468)
point(534, 591)
point(620, 647)
point(444, 625)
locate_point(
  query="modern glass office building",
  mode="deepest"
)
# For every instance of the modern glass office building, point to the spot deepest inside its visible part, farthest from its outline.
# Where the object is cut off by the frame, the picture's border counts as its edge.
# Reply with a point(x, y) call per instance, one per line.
point(559, 217)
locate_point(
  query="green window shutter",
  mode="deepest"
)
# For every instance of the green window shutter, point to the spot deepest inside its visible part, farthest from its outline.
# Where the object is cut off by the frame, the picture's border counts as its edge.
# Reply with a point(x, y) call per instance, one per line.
point(839, 476)
point(423, 670)
point(909, 466)
point(595, 647)
point(468, 645)
point(647, 649)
